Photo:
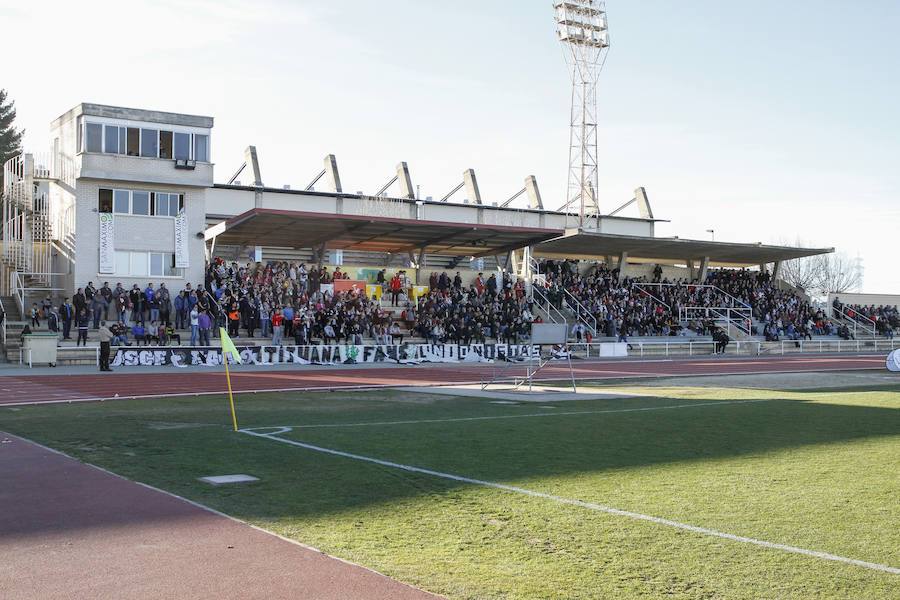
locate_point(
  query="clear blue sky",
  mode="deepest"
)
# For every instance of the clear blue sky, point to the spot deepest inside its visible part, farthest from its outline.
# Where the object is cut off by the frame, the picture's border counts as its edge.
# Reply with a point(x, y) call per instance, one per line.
point(766, 121)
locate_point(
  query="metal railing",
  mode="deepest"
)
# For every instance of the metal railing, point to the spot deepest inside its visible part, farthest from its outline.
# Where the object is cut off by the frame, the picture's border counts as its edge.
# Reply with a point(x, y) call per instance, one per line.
point(735, 302)
point(18, 289)
point(3, 324)
point(856, 321)
point(734, 318)
point(54, 165)
point(538, 294)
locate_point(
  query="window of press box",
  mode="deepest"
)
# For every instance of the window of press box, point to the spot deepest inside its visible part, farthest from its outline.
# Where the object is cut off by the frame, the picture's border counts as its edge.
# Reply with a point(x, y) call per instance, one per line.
point(149, 143)
point(182, 146)
point(134, 142)
point(140, 203)
point(106, 201)
point(201, 147)
point(165, 144)
point(93, 137)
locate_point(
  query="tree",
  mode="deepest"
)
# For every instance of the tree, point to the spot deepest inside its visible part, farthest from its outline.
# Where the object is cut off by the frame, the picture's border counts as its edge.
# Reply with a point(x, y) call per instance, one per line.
point(802, 273)
point(839, 273)
point(10, 139)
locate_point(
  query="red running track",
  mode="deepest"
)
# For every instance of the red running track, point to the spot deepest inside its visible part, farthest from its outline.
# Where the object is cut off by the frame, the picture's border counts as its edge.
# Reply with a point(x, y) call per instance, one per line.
point(33, 389)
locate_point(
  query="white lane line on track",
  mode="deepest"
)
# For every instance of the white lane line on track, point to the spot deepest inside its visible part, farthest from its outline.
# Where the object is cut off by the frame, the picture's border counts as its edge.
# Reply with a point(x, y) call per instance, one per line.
point(525, 416)
point(580, 503)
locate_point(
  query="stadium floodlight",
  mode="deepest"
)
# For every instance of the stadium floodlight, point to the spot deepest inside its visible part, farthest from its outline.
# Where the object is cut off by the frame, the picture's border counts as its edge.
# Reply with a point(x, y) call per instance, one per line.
point(582, 28)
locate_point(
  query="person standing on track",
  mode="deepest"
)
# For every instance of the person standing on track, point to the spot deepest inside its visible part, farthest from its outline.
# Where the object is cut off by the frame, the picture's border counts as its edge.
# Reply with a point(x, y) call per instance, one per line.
point(106, 337)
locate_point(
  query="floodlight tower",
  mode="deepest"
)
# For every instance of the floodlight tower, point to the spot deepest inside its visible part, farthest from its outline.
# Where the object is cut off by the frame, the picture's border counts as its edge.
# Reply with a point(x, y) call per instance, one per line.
point(582, 28)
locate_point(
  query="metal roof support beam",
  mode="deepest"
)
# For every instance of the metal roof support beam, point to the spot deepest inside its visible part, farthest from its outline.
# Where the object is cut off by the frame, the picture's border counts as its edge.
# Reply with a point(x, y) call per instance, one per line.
point(472, 186)
point(334, 177)
point(406, 187)
point(514, 196)
point(237, 173)
point(453, 191)
point(315, 180)
point(385, 187)
point(251, 158)
point(534, 193)
point(776, 271)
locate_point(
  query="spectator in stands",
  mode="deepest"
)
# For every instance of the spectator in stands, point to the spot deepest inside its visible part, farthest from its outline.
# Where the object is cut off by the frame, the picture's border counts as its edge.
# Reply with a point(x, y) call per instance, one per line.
point(204, 324)
point(139, 333)
point(98, 309)
point(79, 301)
point(194, 318)
point(137, 304)
point(67, 315)
point(82, 322)
point(107, 294)
point(35, 315)
point(151, 305)
point(120, 334)
point(52, 320)
point(395, 289)
point(277, 328)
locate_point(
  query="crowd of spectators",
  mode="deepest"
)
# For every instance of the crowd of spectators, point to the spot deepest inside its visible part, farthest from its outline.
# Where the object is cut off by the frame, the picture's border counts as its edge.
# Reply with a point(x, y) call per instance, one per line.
point(627, 308)
point(885, 318)
point(293, 303)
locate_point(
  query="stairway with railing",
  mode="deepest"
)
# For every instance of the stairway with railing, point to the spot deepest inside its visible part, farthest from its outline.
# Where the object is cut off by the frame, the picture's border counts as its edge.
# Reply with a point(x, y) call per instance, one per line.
point(860, 326)
point(27, 235)
point(730, 313)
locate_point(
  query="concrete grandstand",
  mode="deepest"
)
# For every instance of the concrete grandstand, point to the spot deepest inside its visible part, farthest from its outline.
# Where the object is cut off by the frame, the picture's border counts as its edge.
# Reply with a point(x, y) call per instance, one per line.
point(128, 197)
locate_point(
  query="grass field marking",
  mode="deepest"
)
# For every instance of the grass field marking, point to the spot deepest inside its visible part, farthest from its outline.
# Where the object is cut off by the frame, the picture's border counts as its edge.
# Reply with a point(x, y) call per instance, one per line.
point(525, 416)
point(582, 504)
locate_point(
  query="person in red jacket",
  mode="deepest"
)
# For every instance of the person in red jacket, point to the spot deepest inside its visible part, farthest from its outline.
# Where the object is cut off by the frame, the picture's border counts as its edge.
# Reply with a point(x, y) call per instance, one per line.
point(395, 289)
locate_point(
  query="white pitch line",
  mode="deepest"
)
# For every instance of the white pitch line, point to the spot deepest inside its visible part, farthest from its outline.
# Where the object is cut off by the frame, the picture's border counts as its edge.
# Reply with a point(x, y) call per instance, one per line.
point(525, 416)
point(580, 503)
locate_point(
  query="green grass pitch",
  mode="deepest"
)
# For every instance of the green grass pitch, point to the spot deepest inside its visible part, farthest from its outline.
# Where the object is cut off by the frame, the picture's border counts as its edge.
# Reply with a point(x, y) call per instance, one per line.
point(818, 470)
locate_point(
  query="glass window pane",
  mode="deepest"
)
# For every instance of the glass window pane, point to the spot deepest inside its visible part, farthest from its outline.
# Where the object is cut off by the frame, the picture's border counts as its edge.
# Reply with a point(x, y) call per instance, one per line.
point(139, 264)
point(201, 148)
point(94, 137)
point(123, 263)
point(156, 265)
point(120, 201)
point(111, 139)
point(122, 135)
point(140, 203)
point(149, 143)
point(162, 204)
point(134, 141)
point(182, 146)
point(106, 201)
point(165, 144)
point(170, 270)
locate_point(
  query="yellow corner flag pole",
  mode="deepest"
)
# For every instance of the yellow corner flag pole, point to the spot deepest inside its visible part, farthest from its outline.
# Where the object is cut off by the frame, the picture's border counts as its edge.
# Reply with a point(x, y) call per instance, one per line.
point(229, 348)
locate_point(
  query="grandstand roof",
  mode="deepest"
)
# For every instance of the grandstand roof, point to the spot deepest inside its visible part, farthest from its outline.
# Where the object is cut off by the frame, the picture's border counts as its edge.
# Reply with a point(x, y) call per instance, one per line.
point(299, 229)
point(586, 244)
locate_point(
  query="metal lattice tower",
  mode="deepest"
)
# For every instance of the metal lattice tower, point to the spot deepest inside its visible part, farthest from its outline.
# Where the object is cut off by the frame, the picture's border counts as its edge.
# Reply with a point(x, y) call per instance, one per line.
point(582, 28)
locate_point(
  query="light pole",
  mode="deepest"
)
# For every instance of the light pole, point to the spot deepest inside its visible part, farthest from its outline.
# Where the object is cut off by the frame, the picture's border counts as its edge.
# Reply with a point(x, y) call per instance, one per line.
point(712, 232)
point(582, 28)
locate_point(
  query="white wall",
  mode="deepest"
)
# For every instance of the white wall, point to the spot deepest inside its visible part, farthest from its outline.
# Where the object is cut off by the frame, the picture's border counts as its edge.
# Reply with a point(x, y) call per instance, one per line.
point(866, 299)
point(155, 234)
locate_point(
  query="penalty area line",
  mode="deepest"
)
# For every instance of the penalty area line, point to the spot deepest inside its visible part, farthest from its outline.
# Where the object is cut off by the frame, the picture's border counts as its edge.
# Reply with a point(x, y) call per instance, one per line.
point(579, 503)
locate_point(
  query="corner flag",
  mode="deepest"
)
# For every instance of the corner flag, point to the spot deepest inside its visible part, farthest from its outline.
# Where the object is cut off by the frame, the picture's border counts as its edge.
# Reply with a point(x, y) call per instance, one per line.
point(228, 348)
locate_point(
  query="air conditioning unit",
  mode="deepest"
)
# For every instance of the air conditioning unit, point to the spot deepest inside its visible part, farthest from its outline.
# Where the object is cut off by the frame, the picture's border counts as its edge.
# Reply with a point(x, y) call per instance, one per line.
point(182, 163)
